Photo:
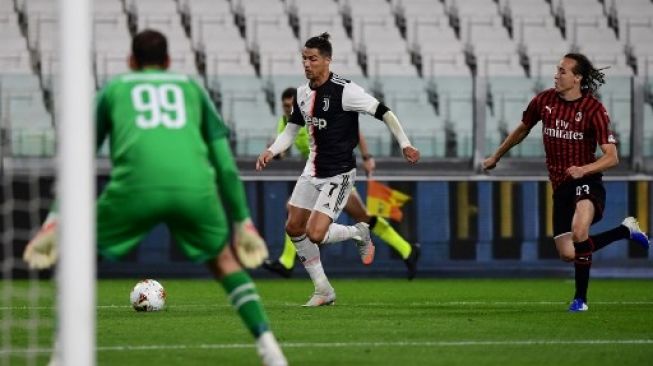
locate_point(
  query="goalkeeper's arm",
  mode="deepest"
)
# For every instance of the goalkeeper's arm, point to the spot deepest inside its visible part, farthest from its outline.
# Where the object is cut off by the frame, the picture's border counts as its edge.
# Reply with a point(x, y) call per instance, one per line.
point(249, 245)
point(231, 187)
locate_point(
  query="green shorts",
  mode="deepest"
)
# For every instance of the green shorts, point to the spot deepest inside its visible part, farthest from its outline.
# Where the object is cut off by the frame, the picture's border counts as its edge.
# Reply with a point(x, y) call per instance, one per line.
point(195, 218)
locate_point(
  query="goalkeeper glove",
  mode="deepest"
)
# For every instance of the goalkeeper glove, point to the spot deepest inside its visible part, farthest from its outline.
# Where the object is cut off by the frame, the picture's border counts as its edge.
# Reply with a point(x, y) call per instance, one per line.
point(41, 251)
point(250, 247)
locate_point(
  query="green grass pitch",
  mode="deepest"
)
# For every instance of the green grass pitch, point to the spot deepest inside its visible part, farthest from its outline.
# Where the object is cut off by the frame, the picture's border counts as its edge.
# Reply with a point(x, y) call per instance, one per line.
point(374, 322)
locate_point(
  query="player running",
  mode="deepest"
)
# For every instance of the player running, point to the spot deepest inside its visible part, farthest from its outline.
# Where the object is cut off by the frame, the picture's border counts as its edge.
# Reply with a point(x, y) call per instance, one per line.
point(328, 106)
point(573, 123)
point(355, 208)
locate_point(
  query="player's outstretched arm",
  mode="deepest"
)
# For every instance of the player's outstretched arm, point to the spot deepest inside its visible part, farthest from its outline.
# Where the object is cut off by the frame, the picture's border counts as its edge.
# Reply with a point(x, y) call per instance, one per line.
point(249, 246)
point(280, 144)
point(230, 186)
point(411, 154)
point(514, 138)
point(41, 251)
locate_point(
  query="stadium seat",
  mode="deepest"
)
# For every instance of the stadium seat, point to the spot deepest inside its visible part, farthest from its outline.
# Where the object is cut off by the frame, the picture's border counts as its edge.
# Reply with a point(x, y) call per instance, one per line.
point(422, 125)
point(508, 95)
point(29, 123)
point(415, 54)
point(463, 9)
point(32, 142)
point(616, 97)
point(538, 38)
point(271, 35)
point(250, 117)
point(434, 47)
point(594, 36)
point(17, 62)
point(417, 8)
point(315, 24)
point(575, 9)
point(486, 35)
point(515, 9)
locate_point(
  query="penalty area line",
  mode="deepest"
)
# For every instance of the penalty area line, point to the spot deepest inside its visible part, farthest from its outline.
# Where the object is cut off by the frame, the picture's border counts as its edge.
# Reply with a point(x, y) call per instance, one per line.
point(363, 304)
point(434, 344)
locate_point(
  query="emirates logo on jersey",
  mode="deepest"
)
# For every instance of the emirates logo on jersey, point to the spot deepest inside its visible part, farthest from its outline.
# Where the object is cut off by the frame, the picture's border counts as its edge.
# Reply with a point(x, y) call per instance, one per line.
point(561, 131)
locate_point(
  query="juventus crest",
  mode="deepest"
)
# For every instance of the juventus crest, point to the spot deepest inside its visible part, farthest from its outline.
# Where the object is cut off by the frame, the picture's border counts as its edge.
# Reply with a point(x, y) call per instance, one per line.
point(325, 107)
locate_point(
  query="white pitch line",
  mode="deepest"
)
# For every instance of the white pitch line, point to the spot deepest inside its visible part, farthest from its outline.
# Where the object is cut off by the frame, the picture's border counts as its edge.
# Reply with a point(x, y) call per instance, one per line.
point(471, 343)
point(354, 304)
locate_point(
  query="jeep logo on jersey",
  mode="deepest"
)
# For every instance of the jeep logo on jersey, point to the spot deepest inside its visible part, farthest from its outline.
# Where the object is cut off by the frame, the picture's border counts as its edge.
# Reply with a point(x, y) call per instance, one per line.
point(325, 107)
point(320, 123)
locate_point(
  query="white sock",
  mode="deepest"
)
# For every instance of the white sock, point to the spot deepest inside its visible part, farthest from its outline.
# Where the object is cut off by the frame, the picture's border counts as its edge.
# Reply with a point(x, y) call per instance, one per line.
point(338, 233)
point(309, 255)
point(269, 350)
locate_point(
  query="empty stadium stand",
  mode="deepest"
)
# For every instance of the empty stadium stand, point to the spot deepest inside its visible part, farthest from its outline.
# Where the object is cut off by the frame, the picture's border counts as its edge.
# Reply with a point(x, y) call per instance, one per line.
point(421, 57)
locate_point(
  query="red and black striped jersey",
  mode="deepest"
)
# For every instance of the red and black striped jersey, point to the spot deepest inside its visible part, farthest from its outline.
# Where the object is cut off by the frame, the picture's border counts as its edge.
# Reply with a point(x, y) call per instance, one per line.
point(571, 130)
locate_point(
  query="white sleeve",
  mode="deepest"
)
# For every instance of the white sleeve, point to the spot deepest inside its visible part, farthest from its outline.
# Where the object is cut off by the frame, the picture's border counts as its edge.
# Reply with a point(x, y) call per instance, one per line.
point(285, 139)
point(355, 99)
point(394, 125)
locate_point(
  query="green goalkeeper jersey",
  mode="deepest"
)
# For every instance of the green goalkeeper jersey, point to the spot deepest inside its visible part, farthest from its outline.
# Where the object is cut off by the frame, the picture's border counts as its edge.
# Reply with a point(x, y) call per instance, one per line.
point(160, 125)
point(165, 133)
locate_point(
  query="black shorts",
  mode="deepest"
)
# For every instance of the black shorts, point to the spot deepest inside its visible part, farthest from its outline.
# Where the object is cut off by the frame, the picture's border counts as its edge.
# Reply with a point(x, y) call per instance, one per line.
point(566, 196)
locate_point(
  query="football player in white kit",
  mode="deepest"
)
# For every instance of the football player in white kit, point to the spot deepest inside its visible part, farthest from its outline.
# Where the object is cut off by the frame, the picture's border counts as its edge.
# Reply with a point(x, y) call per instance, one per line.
point(328, 106)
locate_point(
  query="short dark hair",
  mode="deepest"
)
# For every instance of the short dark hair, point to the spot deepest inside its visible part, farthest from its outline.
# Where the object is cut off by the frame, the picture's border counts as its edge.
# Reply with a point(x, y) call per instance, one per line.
point(322, 44)
point(288, 93)
point(150, 47)
point(592, 78)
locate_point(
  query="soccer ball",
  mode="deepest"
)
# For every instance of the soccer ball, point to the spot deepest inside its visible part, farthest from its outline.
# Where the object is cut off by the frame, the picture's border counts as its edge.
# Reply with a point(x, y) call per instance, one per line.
point(148, 295)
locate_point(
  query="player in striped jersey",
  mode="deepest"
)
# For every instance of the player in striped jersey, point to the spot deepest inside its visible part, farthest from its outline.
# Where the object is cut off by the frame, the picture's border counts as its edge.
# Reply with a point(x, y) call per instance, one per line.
point(573, 123)
point(328, 106)
point(354, 208)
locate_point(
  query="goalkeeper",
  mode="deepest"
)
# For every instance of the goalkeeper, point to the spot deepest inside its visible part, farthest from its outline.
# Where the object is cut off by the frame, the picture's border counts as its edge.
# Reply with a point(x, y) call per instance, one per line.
point(169, 148)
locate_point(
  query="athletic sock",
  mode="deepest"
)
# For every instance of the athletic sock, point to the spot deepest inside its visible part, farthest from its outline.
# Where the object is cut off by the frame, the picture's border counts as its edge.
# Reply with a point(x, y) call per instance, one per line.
point(582, 265)
point(309, 255)
point(607, 237)
point(338, 233)
point(387, 233)
point(287, 258)
point(245, 299)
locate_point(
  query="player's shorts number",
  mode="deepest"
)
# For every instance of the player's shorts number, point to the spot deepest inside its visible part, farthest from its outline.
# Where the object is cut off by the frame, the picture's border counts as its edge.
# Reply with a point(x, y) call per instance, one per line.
point(159, 105)
point(584, 189)
point(333, 187)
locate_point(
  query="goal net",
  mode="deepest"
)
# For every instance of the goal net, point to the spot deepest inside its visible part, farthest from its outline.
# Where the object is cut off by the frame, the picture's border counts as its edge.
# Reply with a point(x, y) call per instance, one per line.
point(31, 300)
point(27, 302)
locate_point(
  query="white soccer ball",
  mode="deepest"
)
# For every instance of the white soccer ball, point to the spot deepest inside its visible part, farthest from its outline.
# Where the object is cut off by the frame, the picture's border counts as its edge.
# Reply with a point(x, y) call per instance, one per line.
point(148, 295)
